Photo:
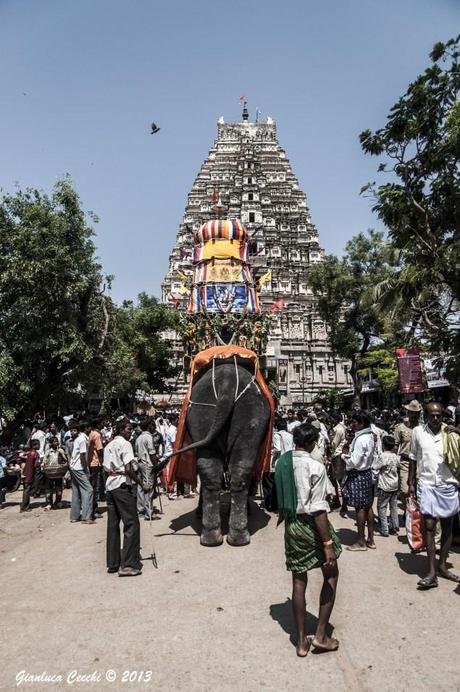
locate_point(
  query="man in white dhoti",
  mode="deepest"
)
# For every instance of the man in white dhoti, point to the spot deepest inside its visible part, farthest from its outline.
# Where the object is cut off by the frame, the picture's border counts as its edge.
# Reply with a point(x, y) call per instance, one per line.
point(437, 491)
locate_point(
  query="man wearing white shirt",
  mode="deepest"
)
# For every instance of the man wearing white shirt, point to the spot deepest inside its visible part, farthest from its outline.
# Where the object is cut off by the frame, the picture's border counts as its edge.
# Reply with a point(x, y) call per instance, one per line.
point(358, 486)
point(292, 421)
point(282, 441)
point(437, 491)
point(310, 539)
point(82, 491)
point(169, 436)
point(122, 504)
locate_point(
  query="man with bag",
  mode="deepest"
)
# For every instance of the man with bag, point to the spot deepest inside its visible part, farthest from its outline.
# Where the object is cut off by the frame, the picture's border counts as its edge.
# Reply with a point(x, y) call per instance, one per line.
point(432, 456)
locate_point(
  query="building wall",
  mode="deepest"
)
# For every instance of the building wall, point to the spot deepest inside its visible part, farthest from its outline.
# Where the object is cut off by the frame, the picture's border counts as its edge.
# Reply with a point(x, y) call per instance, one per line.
point(249, 171)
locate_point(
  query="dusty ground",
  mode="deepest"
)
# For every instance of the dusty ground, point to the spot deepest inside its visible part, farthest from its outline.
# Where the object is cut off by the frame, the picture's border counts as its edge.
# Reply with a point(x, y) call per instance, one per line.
point(212, 618)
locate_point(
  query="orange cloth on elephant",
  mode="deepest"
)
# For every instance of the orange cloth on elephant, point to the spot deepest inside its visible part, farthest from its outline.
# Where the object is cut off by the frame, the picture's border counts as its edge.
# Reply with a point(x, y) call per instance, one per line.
point(183, 466)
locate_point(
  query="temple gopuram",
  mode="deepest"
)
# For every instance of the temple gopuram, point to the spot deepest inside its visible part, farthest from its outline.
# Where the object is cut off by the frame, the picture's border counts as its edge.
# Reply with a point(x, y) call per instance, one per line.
point(247, 196)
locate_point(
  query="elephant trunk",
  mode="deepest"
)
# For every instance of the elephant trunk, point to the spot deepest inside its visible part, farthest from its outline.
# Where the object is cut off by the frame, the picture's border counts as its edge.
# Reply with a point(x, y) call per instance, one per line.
point(224, 407)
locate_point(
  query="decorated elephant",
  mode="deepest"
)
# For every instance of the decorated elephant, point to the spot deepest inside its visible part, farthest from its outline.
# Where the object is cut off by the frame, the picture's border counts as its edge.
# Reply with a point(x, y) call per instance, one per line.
point(228, 416)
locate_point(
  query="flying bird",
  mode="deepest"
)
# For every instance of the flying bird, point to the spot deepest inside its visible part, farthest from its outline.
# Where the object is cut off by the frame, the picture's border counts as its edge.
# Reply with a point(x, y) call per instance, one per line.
point(154, 129)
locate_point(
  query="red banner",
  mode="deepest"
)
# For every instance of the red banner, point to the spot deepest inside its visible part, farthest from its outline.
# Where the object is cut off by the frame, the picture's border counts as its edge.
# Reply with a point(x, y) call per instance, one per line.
point(410, 370)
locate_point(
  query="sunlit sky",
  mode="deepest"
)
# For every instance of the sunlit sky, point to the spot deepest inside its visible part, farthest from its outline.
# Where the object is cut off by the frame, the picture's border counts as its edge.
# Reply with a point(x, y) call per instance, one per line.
point(81, 81)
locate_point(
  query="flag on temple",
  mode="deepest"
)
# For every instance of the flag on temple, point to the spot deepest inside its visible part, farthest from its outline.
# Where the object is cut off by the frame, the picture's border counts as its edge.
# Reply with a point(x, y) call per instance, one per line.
point(264, 278)
point(242, 98)
point(175, 300)
point(277, 305)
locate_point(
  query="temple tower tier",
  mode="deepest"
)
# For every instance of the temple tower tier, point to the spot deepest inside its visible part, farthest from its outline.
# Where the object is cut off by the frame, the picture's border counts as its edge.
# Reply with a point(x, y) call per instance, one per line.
point(247, 176)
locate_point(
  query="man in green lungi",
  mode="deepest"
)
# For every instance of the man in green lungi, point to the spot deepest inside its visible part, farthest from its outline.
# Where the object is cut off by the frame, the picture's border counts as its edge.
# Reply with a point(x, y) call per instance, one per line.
point(310, 539)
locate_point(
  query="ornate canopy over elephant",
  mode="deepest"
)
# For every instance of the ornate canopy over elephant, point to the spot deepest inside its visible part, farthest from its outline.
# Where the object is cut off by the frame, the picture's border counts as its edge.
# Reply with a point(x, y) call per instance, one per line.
point(223, 305)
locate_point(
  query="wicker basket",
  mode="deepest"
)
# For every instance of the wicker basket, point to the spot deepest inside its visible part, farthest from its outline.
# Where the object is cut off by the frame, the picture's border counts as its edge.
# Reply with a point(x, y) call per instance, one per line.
point(53, 472)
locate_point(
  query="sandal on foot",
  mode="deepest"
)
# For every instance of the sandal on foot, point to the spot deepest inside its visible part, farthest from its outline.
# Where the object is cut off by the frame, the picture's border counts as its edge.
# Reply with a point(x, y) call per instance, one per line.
point(371, 546)
point(427, 583)
point(356, 547)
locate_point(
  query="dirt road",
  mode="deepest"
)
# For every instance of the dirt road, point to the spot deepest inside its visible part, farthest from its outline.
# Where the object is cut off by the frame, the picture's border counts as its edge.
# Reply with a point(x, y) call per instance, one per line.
point(211, 618)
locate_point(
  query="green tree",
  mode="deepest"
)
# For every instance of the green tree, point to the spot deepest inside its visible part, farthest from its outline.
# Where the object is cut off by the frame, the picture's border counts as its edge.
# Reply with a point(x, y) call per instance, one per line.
point(382, 362)
point(61, 338)
point(139, 358)
point(343, 288)
point(52, 307)
point(331, 398)
point(420, 203)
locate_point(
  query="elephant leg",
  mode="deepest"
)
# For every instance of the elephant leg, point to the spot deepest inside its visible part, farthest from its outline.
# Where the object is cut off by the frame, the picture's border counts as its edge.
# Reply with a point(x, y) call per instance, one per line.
point(241, 471)
point(210, 468)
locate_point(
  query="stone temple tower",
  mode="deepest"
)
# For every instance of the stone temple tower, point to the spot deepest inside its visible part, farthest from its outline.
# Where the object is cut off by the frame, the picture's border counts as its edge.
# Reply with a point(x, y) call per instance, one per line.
point(247, 176)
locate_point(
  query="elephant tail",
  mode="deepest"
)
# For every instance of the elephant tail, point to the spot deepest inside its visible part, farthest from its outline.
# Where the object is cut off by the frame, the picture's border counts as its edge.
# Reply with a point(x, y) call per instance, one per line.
point(223, 409)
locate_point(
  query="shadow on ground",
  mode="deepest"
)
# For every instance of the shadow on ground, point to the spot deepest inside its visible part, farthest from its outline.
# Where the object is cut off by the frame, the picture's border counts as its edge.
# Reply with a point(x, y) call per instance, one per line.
point(347, 536)
point(282, 614)
point(257, 518)
point(412, 563)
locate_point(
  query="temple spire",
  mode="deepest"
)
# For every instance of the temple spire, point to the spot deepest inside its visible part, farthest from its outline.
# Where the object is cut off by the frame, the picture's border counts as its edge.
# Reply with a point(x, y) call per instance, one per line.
point(245, 112)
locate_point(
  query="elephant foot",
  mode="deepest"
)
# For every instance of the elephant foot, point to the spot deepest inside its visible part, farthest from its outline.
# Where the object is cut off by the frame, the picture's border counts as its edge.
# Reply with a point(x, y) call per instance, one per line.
point(211, 538)
point(238, 537)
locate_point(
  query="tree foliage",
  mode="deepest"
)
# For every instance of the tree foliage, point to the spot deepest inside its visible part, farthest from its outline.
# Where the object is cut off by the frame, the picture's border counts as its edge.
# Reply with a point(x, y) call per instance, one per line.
point(61, 337)
point(139, 357)
point(343, 288)
point(381, 361)
point(51, 297)
point(420, 201)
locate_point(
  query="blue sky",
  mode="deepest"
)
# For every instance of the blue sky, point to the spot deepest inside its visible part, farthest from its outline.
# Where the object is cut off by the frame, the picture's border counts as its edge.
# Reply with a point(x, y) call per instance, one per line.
point(81, 81)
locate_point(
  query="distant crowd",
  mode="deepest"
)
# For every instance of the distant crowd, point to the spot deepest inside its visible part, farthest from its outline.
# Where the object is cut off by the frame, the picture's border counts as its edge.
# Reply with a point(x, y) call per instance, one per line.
point(376, 458)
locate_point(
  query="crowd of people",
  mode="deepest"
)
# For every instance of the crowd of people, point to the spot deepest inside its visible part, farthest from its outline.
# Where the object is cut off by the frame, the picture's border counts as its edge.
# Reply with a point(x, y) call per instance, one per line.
point(72, 452)
point(339, 460)
point(323, 460)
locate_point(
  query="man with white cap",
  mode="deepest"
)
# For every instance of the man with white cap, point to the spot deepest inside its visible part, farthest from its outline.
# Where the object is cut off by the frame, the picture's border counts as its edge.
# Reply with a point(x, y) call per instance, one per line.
point(403, 437)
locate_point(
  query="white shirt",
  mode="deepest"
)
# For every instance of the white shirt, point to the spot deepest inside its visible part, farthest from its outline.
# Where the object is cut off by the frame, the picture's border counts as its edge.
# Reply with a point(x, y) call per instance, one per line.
point(387, 464)
point(282, 441)
point(311, 483)
point(170, 438)
point(293, 425)
point(106, 434)
point(117, 455)
point(320, 448)
point(80, 446)
point(338, 440)
point(427, 450)
point(41, 437)
point(361, 451)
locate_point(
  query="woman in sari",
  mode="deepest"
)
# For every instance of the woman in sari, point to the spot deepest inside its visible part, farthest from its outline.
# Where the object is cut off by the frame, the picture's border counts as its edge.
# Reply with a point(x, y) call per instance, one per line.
point(310, 539)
